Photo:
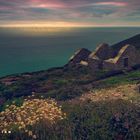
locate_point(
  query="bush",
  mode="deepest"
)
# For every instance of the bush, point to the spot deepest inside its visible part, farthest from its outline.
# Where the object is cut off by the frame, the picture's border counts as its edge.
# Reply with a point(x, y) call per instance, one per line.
point(104, 120)
point(64, 93)
point(35, 119)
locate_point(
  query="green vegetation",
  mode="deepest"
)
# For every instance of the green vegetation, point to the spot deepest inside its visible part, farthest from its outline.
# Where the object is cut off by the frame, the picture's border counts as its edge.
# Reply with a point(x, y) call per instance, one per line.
point(14, 101)
point(103, 120)
point(91, 121)
point(65, 93)
point(63, 84)
point(111, 114)
point(131, 77)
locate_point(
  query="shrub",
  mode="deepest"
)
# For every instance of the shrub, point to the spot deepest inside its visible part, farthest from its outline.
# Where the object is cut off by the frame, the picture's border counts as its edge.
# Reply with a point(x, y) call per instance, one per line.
point(103, 120)
point(29, 119)
point(64, 93)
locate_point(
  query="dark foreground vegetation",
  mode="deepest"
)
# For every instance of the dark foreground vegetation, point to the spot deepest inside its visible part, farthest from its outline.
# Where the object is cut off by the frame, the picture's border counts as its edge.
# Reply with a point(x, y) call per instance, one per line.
point(103, 119)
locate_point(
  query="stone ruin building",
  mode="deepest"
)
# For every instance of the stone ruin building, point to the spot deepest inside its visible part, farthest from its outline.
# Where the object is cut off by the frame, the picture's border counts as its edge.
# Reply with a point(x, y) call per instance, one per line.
point(107, 58)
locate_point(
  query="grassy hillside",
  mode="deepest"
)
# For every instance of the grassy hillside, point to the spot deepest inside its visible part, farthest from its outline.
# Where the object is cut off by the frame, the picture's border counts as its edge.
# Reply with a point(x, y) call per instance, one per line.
point(84, 107)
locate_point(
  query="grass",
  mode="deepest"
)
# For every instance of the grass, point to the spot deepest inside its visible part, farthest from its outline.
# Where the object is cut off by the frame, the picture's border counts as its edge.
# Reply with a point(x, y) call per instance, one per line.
point(103, 120)
point(109, 110)
point(15, 101)
point(128, 78)
point(64, 93)
point(88, 120)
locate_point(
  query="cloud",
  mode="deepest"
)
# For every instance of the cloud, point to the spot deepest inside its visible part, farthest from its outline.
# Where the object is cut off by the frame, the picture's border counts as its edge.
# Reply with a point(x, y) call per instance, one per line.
point(109, 3)
point(69, 10)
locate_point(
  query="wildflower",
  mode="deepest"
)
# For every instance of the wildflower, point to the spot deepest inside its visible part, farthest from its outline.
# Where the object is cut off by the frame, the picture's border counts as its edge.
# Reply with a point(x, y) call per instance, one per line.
point(30, 133)
point(34, 136)
point(30, 113)
point(13, 102)
point(19, 118)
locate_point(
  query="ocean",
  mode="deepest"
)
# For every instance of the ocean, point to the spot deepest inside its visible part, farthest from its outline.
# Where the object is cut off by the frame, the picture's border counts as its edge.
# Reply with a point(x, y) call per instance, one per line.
point(33, 49)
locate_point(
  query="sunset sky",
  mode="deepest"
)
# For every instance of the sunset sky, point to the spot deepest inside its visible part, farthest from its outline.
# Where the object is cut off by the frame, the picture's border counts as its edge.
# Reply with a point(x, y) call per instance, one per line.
point(69, 13)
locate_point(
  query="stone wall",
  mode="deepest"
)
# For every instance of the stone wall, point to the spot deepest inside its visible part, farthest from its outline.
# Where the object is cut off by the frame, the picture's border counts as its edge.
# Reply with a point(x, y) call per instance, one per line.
point(129, 53)
point(94, 64)
point(80, 55)
point(103, 51)
point(110, 66)
point(102, 59)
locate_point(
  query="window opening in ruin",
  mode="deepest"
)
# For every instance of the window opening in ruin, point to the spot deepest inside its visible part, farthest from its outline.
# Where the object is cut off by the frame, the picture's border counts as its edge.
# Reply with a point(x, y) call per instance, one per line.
point(125, 62)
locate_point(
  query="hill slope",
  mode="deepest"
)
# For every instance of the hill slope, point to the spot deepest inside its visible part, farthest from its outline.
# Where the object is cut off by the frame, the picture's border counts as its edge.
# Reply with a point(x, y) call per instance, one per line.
point(135, 41)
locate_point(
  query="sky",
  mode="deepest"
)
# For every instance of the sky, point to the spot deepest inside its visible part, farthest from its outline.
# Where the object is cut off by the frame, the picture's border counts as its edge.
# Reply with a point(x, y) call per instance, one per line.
point(69, 13)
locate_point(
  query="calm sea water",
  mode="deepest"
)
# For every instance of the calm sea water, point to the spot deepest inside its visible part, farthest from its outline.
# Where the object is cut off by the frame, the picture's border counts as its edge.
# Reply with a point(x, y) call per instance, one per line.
point(33, 49)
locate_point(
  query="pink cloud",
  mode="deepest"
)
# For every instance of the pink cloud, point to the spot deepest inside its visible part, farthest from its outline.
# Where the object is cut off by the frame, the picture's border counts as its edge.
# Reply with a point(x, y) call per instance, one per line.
point(120, 4)
point(59, 3)
point(47, 4)
point(5, 8)
point(51, 4)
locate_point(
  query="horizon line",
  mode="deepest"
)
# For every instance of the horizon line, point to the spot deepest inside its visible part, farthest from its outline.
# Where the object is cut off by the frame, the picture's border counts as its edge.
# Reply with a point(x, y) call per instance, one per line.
point(67, 26)
point(64, 24)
